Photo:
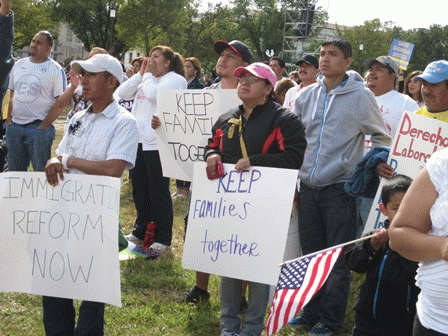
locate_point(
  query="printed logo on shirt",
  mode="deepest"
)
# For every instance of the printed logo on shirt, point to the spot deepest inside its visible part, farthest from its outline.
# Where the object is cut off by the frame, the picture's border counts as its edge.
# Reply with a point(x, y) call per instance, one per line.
point(28, 88)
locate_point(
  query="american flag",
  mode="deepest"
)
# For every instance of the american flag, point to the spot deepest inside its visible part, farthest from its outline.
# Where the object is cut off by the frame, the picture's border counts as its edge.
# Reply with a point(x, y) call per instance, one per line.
point(297, 284)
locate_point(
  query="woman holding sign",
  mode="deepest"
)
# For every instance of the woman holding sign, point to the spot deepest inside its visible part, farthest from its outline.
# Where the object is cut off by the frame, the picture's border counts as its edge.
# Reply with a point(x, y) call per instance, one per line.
point(259, 133)
point(162, 70)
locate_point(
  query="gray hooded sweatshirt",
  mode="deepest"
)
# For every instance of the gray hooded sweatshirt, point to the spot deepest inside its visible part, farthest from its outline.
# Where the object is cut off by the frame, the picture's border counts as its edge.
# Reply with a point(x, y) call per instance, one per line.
point(336, 123)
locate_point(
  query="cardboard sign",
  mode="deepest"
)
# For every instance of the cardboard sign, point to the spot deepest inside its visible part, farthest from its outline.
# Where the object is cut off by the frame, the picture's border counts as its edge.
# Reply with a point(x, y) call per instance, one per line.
point(238, 225)
point(401, 52)
point(60, 241)
point(187, 118)
point(417, 138)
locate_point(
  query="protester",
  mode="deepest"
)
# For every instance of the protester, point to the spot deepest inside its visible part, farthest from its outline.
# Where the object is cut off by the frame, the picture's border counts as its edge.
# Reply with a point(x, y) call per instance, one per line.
point(388, 293)
point(294, 76)
point(30, 131)
point(192, 75)
point(419, 232)
point(380, 78)
point(253, 123)
point(6, 40)
point(136, 65)
point(278, 65)
point(281, 88)
point(231, 56)
point(164, 69)
point(308, 71)
point(413, 88)
point(104, 145)
point(337, 112)
point(435, 90)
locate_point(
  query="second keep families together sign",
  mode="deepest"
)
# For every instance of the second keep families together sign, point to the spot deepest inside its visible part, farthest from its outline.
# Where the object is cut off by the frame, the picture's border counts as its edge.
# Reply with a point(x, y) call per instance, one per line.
point(60, 241)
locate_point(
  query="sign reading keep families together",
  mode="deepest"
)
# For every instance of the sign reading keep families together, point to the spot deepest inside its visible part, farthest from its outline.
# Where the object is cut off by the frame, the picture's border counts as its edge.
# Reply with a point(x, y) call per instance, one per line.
point(60, 241)
point(187, 118)
point(238, 224)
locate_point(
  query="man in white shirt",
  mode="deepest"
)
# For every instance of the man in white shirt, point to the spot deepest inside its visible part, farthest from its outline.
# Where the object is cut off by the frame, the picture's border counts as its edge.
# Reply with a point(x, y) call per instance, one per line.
point(100, 140)
point(35, 82)
point(381, 76)
point(308, 71)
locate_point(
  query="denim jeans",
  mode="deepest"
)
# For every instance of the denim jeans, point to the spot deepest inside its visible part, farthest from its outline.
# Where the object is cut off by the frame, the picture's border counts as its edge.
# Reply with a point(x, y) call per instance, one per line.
point(230, 307)
point(28, 143)
point(328, 217)
point(59, 317)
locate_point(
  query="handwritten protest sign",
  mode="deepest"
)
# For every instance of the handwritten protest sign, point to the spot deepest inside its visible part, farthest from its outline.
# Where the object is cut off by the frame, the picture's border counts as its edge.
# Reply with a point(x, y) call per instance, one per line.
point(187, 118)
point(60, 241)
point(401, 52)
point(238, 224)
point(417, 138)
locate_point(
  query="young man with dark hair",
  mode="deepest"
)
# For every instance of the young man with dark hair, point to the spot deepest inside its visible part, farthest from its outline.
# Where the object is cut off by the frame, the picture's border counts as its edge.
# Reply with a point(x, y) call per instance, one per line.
point(389, 293)
point(100, 140)
point(337, 112)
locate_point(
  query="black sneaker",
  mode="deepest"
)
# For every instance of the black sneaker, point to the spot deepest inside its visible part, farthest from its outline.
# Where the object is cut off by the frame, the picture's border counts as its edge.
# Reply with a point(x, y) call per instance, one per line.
point(300, 323)
point(194, 295)
point(321, 329)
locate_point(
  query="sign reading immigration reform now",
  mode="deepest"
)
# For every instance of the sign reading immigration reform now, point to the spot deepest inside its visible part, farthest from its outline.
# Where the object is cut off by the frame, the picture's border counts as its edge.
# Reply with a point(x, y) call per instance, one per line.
point(238, 225)
point(187, 118)
point(60, 241)
point(416, 140)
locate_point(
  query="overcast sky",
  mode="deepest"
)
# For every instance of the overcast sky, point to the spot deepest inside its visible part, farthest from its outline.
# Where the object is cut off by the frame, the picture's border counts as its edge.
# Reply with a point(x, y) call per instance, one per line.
point(404, 13)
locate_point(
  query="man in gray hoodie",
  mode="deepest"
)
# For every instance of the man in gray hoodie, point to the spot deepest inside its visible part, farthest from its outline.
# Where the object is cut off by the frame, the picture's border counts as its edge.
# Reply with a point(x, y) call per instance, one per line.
point(337, 112)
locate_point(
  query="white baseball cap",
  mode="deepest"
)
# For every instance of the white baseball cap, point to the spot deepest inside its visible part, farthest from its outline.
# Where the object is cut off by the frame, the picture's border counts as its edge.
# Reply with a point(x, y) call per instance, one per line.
point(100, 63)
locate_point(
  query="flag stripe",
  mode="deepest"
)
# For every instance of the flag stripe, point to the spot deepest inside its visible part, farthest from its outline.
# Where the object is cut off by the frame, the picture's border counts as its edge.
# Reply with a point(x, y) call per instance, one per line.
point(299, 281)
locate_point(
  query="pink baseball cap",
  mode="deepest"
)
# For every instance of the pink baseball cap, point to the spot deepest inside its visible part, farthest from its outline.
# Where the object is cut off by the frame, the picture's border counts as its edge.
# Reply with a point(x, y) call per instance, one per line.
point(259, 70)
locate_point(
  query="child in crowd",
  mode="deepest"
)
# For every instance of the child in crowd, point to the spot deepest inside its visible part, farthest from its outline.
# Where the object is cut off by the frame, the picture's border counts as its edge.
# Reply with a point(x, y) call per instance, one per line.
point(387, 298)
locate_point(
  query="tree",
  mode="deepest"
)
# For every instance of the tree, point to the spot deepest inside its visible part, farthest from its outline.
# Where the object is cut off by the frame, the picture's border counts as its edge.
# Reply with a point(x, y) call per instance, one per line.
point(375, 36)
point(260, 23)
point(145, 23)
point(29, 18)
point(91, 22)
point(430, 45)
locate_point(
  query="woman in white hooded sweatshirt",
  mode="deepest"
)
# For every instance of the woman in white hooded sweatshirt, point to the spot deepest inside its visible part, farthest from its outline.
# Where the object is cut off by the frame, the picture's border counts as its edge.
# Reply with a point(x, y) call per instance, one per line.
point(163, 69)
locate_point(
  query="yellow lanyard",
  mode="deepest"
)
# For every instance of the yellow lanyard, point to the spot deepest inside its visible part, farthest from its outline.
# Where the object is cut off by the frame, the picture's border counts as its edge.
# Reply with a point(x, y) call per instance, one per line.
point(238, 122)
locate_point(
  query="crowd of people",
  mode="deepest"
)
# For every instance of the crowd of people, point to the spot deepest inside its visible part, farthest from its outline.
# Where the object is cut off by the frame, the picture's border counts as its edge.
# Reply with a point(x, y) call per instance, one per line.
point(324, 118)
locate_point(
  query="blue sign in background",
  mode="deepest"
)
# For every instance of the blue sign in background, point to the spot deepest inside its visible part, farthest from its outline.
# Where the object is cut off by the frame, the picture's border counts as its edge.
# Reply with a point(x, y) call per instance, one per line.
point(401, 52)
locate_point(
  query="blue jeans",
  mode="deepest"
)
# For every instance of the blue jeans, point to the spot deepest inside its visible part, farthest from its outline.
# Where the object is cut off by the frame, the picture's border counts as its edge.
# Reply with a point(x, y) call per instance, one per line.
point(28, 143)
point(59, 317)
point(328, 217)
point(230, 307)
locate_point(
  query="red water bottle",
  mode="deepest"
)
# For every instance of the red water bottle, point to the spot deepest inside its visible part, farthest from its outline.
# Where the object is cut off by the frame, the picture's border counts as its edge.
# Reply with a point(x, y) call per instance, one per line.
point(150, 234)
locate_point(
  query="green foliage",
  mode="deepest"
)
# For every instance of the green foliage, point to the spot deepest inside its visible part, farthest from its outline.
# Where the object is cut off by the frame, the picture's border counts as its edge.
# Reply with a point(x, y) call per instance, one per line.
point(91, 23)
point(375, 36)
point(29, 18)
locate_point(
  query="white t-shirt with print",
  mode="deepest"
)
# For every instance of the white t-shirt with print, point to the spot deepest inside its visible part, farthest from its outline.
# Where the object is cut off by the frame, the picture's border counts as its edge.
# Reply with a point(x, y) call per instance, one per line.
point(35, 86)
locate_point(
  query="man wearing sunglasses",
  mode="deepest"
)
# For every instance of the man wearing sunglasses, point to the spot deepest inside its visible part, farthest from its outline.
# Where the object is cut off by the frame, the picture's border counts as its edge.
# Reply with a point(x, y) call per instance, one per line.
point(35, 83)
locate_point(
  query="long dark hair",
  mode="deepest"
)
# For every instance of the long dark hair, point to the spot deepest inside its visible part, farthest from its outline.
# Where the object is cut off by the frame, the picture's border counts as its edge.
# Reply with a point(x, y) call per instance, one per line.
point(176, 60)
point(406, 84)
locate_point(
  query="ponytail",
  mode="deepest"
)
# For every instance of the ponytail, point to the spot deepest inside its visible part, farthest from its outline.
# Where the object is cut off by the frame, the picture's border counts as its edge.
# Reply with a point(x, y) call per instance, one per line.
point(176, 60)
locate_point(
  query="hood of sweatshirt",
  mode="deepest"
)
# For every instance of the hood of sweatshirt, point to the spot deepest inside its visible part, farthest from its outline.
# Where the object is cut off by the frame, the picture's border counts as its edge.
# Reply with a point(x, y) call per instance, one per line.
point(336, 123)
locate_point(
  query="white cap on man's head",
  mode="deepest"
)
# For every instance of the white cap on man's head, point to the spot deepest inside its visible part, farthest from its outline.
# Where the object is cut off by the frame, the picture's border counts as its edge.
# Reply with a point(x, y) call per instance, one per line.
point(100, 63)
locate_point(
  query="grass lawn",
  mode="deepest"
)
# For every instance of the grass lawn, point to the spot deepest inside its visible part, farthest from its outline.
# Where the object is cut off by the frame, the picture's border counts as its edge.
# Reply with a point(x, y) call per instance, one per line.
point(149, 289)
